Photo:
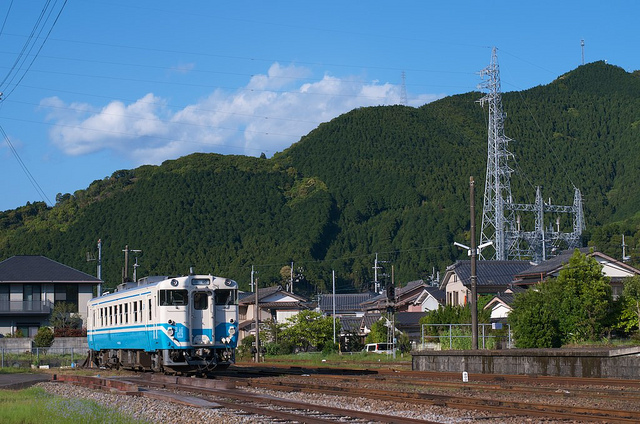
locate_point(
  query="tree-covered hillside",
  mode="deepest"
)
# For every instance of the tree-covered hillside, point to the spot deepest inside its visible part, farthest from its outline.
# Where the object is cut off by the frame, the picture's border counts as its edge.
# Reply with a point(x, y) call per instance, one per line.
point(391, 180)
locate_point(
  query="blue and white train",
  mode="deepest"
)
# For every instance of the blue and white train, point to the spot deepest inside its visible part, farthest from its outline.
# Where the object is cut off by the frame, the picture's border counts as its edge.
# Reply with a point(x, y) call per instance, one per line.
point(186, 325)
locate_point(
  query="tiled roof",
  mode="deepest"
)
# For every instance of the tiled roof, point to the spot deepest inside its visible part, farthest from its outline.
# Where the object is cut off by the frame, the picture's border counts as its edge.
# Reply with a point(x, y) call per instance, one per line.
point(489, 273)
point(552, 264)
point(283, 305)
point(408, 318)
point(404, 295)
point(39, 269)
point(369, 319)
point(248, 298)
point(348, 302)
point(436, 292)
point(350, 324)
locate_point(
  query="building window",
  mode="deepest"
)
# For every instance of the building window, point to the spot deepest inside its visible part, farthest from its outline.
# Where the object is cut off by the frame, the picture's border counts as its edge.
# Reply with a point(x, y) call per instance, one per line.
point(66, 293)
point(4, 297)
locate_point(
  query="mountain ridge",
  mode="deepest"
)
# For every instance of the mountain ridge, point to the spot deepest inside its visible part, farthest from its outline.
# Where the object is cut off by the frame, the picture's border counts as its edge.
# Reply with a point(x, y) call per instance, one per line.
point(386, 179)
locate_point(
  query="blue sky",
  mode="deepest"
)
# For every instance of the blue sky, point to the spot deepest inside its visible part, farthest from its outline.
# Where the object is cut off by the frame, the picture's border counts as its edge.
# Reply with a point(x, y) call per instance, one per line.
point(114, 85)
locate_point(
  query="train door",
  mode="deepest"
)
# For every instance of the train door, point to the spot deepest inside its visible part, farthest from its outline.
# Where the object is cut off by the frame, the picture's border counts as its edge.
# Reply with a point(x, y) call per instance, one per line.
point(225, 314)
point(146, 311)
point(202, 318)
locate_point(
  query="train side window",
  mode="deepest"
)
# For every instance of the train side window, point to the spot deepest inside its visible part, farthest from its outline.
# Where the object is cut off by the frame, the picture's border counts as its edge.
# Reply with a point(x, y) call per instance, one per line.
point(140, 309)
point(110, 315)
point(126, 313)
point(200, 301)
point(225, 297)
point(135, 311)
point(150, 310)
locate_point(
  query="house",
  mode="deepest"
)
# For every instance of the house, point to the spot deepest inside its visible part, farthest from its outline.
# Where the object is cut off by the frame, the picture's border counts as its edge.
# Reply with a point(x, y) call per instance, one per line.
point(406, 298)
point(406, 322)
point(616, 270)
point(430, 299)
point(612, 268)
point(492, 277)
point(274, 303)
point(501, 305)
point(31, 286)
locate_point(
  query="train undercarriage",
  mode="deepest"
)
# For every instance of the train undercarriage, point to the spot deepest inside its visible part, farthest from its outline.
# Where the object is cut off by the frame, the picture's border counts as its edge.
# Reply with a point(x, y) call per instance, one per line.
point(170, 361)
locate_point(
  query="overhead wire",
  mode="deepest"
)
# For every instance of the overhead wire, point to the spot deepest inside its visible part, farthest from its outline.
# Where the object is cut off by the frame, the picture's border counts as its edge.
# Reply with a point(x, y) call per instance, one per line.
point(6, 17)
point(34, 56)
point(17, 71)
point(25, 169)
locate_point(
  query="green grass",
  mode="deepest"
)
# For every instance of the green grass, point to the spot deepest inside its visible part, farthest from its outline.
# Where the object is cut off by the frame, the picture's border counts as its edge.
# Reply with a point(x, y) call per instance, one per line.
point(14, 370)
point(35, 406)
point(356, 360)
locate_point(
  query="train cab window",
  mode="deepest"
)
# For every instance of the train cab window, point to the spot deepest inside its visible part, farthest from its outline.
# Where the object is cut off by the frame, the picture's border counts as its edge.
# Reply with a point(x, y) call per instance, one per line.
point(225, 297)
point(173, 298)
point(200, 301)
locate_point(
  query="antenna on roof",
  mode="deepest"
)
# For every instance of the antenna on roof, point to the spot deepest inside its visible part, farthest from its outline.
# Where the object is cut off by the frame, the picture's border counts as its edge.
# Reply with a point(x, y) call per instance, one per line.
point(625, 258)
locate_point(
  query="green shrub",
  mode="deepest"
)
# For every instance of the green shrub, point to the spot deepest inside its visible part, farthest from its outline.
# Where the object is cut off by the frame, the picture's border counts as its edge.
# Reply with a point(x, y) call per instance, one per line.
point(44, 337)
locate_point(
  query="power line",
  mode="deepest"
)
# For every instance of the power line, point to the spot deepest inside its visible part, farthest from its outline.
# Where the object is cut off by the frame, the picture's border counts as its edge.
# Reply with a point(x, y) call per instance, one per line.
point(18, 70)
point(28, 173)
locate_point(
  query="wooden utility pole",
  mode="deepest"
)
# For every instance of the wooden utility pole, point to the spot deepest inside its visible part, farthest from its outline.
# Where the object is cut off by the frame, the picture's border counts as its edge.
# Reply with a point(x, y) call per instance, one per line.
point(257, 316)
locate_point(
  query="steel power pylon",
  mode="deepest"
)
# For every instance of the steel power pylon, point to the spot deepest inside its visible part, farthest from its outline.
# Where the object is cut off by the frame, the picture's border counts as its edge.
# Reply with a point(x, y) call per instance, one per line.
point(500, 222)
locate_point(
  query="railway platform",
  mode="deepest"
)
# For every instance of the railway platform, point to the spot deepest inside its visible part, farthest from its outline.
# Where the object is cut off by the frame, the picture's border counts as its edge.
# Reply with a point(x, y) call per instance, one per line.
point(620, 363)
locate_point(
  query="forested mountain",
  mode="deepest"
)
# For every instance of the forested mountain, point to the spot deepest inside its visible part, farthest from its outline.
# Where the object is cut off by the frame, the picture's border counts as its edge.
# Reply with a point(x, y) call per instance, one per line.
point(391, 180)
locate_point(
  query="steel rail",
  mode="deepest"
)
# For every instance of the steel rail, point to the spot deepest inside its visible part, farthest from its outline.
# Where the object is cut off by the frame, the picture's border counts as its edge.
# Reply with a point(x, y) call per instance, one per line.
point(161, 381)
point(459, 402)
point(511, 387)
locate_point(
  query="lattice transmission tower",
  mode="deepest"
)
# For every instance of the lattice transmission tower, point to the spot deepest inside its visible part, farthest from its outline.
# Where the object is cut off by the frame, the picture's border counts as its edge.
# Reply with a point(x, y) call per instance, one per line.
point(500, 222)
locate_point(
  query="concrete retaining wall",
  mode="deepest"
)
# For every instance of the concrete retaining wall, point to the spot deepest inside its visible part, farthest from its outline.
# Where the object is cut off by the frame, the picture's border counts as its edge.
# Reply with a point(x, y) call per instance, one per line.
point(26, 343)
point(603, 363)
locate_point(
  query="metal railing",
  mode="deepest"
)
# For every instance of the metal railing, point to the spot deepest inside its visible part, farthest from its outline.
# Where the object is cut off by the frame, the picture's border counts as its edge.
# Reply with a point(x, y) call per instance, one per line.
point(26, 306)
point(459, 336)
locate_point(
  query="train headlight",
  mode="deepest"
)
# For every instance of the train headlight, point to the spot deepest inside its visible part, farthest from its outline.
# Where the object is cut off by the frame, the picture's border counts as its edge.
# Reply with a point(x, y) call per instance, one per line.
point(228, 282)
point(232, 331)
point(170, 331)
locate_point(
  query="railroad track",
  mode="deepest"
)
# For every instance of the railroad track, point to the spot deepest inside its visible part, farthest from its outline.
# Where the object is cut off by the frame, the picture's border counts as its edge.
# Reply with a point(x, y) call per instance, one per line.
point(225, 396)
point(513, 408)
point(546, 390)
point(394, 380)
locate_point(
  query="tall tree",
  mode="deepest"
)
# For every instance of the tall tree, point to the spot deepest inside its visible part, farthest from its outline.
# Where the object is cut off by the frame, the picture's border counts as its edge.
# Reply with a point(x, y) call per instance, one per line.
point(574, 307)
point(631, 294)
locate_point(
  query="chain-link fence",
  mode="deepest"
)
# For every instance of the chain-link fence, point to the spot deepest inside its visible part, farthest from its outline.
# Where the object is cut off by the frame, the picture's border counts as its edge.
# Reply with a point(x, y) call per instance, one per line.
point(41, 357)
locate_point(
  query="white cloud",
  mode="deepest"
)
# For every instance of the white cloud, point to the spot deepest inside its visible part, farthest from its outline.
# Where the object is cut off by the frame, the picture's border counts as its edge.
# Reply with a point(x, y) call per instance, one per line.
point(183, 68)
point(267, 115)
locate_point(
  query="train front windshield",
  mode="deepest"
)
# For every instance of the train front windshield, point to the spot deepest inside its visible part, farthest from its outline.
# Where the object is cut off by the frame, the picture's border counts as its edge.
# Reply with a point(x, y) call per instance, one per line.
point(173, 298)
point(226, 297)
